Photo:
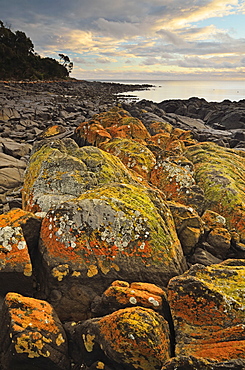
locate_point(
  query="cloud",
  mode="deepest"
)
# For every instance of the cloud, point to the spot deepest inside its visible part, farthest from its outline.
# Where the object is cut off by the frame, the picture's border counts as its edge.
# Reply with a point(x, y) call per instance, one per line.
point(171, 37)
point(130, 35)
point(115, 29)
point(105, 60)
point(150, 61)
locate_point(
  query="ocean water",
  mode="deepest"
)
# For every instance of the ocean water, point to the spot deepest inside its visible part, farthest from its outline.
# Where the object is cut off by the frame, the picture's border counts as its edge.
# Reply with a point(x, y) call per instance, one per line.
point(218, 91)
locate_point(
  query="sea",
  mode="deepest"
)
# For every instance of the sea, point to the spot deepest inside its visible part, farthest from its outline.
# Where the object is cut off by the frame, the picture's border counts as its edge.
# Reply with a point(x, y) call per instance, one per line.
point(217, 91)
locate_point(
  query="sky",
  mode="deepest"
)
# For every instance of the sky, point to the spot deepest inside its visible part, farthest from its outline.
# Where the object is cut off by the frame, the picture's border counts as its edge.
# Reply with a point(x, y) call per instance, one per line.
point(136, 39)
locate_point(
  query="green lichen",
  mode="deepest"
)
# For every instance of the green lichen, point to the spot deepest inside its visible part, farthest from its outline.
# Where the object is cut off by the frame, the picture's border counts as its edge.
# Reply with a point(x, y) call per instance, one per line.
point(226, 280)
point(220, 172)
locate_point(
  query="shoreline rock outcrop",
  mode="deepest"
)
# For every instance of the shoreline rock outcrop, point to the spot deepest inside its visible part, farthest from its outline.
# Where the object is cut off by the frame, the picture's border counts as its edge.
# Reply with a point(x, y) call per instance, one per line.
point(122, 241)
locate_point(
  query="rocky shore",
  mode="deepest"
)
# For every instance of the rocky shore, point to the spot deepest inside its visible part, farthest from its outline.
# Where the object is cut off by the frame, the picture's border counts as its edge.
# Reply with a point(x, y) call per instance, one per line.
point(122, 230)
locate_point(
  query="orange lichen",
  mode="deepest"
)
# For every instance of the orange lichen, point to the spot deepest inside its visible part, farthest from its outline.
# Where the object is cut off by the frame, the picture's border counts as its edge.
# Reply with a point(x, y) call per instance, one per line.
point(14, 254)
point(138, 336)
point(207, 304)
point(136, 294)
point(15, 217)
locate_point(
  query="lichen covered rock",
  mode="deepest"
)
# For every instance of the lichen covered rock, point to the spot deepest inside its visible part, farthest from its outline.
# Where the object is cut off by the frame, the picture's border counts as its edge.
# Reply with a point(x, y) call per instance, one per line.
point(31, 335)
point(60, 170)
point(28, 222)
point(193, 363)
point(207, 305)
point(189, 225)
point(174, 180)
point(134, 155)
point(134, 337)
point(116, 123)
point(113, 232)
point(220, 172)
point(15, 262)
point(121, 294)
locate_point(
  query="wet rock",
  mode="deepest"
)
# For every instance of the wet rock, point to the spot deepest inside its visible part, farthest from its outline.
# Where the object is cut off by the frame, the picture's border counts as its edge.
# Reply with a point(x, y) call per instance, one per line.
point(31, 336)
point(142, 338)
point(207, 304)
point(113, 232)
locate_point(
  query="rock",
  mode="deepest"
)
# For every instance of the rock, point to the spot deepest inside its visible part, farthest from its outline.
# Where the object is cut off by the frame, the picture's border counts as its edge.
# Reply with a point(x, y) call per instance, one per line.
point(220, 172)
point(192, 363)
point(56, 132)
point(142, 338)
point(8, 113)
point(213, 220)
point(189, 225)
point(207, 304)
point(60, 170)
point(174, 180)
point(11, 172)
point(121, 294)
point(203, 255)
point(14, 149)
point(233, 120)
point(220, 239)
point(31, 335)
point(29, 223)
point(113, 232)
point(134, 155)
point(116, 123)
point(15, 264)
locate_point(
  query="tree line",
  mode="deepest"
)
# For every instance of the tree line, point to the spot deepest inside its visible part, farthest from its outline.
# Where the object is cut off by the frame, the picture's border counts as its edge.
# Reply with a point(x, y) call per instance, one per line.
point(19, 61)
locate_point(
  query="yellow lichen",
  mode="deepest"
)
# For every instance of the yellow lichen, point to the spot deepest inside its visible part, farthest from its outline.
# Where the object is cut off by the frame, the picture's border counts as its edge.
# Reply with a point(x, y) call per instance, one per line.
point(59, 340)
point(100, 365)
point(60, 272)
point(88, 342)
point(92, 271)
point(28, 269)
point(76, 273)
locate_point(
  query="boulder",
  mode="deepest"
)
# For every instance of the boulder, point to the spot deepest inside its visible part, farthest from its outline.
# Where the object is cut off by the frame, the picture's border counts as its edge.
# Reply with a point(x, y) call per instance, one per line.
point(113, 232)
point(134, 155)
point(121, 294)
point(14, 149)
point(15, 264)
point(189, 225)
point(207, 305)
point(174, 180)
point(220, 172)
point(192, 363)
point(29, 223)
point(116, 123)
point(131, 338)
point(11, 172)
point(31, 335)
point(59, 171)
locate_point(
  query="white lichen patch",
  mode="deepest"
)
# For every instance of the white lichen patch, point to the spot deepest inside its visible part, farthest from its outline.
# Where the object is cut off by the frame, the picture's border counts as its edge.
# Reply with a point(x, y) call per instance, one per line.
point(10, 236)
point(133, 300)
point(153, 301)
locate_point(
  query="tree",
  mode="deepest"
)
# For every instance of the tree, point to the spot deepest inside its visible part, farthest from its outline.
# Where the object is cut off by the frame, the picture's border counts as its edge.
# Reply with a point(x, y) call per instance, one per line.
point(19, 61)
point(65, 60)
